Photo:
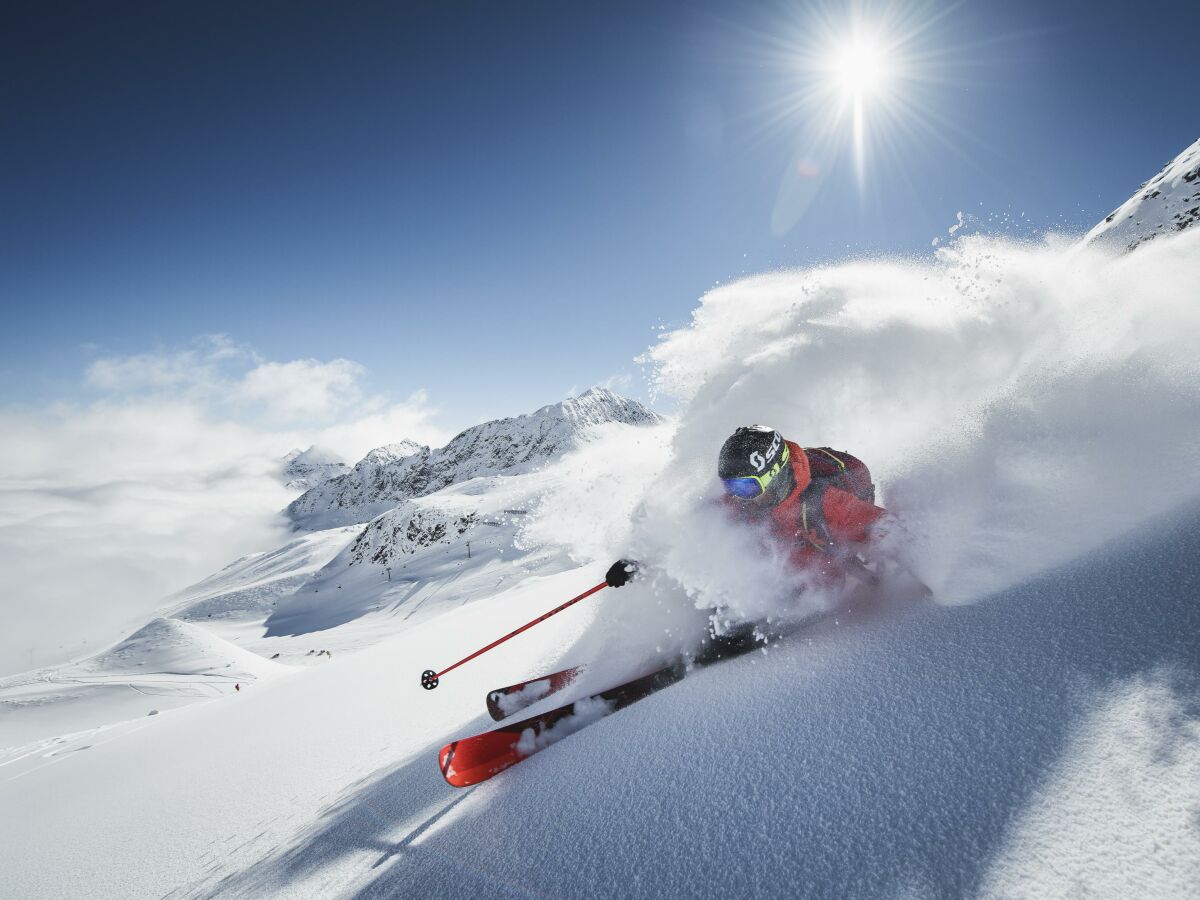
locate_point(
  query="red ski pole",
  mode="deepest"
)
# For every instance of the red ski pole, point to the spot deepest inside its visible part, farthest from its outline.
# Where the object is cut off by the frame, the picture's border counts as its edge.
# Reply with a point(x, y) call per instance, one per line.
point(430, 679)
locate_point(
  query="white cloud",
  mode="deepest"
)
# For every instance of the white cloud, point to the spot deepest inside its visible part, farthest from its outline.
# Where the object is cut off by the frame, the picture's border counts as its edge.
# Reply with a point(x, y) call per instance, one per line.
point(108, 506)
point(303, 388)
point(410, 418)
point(197, 368)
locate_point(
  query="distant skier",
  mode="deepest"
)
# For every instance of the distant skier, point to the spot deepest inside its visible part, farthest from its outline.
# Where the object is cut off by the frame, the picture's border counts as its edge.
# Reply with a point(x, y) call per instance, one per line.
point(816, 503)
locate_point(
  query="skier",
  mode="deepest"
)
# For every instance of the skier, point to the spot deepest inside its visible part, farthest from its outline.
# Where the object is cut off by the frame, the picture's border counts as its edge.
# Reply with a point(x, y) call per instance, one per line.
point(816, 503)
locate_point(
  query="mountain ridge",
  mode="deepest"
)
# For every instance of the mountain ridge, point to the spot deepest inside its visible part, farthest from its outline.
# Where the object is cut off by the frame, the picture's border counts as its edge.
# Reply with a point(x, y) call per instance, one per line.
point(405, 470)
point(1168, 202)
point(305, 469)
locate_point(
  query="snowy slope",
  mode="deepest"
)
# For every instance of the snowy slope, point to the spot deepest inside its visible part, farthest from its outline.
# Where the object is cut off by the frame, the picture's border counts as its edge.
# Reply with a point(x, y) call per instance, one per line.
point(322, 594)
point(1042, 743)
point(955, 752)
point(406, 470)
point(166, 664)
point(413, 562)
point(1168, 202)
point(248, 588)
point(174, 647)
point(172, 661)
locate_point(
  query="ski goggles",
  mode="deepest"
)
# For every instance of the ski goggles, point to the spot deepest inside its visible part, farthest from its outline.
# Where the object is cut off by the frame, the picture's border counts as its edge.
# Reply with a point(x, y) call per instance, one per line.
point(755, 485)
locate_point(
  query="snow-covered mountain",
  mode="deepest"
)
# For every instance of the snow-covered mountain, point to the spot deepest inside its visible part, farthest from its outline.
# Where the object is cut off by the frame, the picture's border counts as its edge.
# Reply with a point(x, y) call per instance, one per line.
point(303, 470)
point(377, 482)
point(1168, 202)
point(402, 471)
point(419, 560)
point(407, 529)
point(165, 665)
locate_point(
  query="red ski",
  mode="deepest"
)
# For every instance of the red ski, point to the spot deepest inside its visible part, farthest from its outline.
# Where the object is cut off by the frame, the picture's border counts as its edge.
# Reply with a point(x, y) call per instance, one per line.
point(474, 759)
point(504, 701)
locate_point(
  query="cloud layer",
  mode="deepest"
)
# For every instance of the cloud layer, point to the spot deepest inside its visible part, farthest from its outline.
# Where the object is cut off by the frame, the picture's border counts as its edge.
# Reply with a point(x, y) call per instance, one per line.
point(169, 472)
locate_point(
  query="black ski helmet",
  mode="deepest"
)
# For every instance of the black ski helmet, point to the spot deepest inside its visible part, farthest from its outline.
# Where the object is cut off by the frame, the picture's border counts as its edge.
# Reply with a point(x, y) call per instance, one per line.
point(756, 456)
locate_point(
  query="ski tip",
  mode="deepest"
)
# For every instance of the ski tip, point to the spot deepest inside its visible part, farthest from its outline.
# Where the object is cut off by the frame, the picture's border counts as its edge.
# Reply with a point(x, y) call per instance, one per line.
point(469, 761)
point(504, 702)
point(494, 709)
point(453, 776)
point(446, 759)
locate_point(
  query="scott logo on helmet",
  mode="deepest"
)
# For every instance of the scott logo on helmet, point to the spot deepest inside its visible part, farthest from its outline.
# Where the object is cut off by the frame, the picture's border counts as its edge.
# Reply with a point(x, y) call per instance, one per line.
point(759, 461)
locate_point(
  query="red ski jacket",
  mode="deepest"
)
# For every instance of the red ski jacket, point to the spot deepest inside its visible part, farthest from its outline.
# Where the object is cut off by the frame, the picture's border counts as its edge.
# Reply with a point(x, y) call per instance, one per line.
point(822, 521)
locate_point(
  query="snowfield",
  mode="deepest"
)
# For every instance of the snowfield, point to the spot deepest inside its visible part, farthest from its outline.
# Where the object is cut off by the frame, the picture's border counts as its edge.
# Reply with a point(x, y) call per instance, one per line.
point(1042, 742)
point(1031, 414)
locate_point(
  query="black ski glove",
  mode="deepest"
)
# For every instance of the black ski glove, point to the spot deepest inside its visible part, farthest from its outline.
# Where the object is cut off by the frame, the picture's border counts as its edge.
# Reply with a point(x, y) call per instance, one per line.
point(621, 572)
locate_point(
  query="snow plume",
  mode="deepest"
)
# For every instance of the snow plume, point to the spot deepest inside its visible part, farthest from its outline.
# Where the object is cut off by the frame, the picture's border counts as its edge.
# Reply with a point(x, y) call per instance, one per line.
point(596, 490)
point(1018, 405)
point(587, 711)
point(174, 470)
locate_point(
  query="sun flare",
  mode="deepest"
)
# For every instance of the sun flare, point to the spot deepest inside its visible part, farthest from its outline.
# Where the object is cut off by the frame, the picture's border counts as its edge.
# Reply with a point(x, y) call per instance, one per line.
point(860, 88)
point(859, 72)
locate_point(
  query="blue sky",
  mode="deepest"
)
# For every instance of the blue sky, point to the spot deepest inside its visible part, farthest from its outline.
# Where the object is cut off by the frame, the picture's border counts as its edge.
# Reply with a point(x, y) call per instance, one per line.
point(497, 202)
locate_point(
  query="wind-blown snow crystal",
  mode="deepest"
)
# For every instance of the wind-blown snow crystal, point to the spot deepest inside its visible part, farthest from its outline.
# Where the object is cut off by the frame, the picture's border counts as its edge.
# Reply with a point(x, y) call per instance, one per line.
point(598, 489)
point(1017, 404)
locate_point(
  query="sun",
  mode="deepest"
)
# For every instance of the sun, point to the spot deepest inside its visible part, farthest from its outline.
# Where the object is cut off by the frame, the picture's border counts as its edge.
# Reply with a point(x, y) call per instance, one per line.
point(859, 70)
point(859, 67)
point(858, 84)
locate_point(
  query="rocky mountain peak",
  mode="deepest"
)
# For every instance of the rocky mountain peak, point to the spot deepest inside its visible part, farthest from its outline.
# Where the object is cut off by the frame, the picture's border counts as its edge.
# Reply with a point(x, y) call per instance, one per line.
point(303, 470)
point(401, 471)
point(1168, 202)
point(597, 406)
point(389, 454)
